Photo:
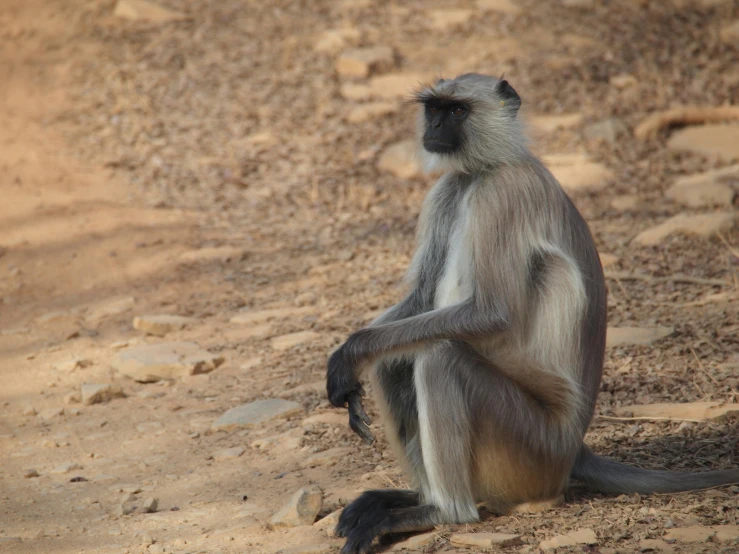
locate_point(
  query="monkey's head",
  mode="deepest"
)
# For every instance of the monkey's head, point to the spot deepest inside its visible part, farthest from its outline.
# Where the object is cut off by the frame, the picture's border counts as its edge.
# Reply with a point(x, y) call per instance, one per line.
point(469, 122)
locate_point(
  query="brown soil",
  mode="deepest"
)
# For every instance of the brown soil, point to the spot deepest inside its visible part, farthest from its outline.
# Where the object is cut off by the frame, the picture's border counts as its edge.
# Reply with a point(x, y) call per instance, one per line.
point(124, 144)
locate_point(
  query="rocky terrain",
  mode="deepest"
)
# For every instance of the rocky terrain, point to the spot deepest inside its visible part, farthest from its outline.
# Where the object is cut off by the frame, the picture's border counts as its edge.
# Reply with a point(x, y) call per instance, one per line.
point(200, 200)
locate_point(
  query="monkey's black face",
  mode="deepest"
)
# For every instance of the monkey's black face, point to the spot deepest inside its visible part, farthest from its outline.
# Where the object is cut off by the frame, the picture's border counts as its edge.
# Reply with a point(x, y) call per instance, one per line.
point(444, 126)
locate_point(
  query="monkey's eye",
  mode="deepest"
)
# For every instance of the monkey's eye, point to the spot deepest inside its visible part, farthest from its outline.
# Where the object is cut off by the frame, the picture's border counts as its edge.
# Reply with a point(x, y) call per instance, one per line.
point(433, 110)
point(459, 111)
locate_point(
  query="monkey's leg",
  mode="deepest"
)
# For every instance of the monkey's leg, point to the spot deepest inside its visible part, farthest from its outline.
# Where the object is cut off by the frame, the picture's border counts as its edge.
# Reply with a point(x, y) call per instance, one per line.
point(440, 463)
point(446, 434)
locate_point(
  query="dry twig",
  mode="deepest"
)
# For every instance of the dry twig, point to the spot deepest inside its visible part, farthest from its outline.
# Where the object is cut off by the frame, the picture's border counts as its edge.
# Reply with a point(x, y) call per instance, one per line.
point(689, 115)
point(674, 278)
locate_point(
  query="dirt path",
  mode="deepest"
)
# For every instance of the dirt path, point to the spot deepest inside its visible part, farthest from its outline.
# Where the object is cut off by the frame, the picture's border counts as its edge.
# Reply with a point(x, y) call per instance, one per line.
point(213, 165)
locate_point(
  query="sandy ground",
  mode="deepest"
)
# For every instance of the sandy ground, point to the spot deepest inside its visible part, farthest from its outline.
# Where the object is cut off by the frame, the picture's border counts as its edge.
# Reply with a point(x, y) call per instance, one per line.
point(211, 166)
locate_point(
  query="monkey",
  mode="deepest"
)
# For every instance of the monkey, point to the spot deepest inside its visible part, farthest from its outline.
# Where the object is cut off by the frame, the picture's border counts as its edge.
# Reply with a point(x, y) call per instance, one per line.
point(487, 371)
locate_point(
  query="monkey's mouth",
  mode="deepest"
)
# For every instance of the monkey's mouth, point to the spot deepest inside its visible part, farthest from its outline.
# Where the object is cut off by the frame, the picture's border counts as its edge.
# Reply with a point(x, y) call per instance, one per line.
point(438, 147)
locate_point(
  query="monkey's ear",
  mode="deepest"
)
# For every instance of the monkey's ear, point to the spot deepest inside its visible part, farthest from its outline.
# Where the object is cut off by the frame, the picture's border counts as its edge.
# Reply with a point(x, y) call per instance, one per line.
point(508, 97)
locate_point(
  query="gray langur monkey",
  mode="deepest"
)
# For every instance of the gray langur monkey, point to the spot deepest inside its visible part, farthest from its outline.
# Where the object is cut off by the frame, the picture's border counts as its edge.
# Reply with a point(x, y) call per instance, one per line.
point(488, 370)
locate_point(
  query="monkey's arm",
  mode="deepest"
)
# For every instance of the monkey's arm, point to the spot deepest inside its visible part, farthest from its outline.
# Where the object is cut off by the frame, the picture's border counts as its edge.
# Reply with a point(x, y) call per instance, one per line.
point(411, 305)
point(463, 321)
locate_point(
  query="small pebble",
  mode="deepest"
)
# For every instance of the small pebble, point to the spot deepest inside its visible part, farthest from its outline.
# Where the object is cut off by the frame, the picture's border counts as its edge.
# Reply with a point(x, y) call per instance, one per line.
point(151, 505)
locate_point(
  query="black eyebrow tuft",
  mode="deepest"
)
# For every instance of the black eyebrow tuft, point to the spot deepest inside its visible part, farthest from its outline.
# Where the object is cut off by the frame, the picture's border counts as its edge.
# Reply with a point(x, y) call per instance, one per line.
point(422, 96)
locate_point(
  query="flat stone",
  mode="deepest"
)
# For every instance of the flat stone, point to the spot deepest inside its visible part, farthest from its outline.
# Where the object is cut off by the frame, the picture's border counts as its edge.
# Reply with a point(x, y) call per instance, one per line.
point(705, 189)
point(66, 468)
point(285, 342)
point(310, 549)
point(396, 85)
point(703, 225)
point(449, 18)
point(329, 522)
point(362, 62)
point(260, 316)
point(717, 141)
point(501, 6)
point(28, 410)
point(327, 418)
point(623, 80)
point(74, 364)
point(111, 308)
point(583, 536)
point(354, 91)
point(99, 393)
point(251, 364)
point(692, 411)
point(371, 111)
point(551, 123)
point(608, 130)
point(691, 534)
point(484, 540)
point(213, 254)
point(608, 259)
point(416, 542)
point(400, 159)
point(51, 317)
point(138, 10)
point(30, 474)
point(301, 509)
point(328, 457)
point(161, 324)
point(333, 41)
point(618, 336)
point(704, 196)
point(244, 332)
point(228, 453)
point(577, 171)
point(51, 413)
point(169, 360)
point(255, 413)
point(626, 202)
point(655, 545)
point(726, 533)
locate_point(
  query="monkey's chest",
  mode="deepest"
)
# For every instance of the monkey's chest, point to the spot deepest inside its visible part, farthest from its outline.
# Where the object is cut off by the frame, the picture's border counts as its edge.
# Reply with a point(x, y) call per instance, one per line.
point(455, 284)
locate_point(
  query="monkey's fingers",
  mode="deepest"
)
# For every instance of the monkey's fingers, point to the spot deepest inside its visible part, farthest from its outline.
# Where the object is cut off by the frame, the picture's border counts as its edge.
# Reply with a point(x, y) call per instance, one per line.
point(356, 407)
point(358, 420)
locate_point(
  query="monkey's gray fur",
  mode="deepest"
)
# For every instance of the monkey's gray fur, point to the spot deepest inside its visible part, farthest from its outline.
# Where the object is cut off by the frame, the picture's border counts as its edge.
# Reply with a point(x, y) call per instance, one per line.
point(489, 368)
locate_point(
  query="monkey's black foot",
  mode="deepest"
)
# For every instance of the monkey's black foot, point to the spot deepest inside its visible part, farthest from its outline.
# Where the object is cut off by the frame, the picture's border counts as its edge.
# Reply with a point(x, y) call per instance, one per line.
point(371, 507)
point(382, 522)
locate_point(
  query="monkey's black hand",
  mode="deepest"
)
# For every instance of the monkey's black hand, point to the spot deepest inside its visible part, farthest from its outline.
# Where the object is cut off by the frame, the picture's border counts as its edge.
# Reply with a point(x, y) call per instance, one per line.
point(343, 387)
point(358, 420)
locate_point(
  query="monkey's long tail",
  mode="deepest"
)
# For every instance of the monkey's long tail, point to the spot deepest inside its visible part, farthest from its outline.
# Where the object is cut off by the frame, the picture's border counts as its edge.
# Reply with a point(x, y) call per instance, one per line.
point(606, 476)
